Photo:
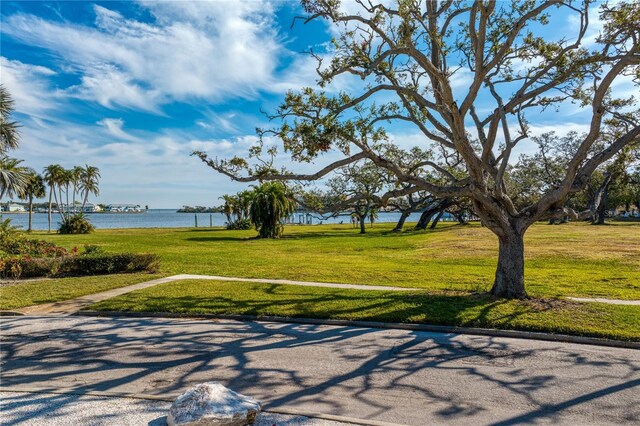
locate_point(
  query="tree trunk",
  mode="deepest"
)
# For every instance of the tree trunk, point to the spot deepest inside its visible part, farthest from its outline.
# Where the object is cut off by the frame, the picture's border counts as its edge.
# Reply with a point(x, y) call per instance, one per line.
point(30, 212)
point(363, 227)
point(400, 224)
point(59, 203)
point(74, 198)
point(436, 220)
point(84, 201)
point(425, 218)
point(599, 200)
point(68, 206)
point(509, 280)
point(49, 212)
point(460, 218)
point(601, 212)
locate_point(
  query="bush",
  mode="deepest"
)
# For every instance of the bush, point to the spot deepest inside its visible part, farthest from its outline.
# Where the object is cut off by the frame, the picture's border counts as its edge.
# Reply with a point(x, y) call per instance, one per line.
point(76, 224)
point(14, 267)
point(242, 224)
point(10, 268)
point(38, 248)
point(15, 242)
point(107, 263)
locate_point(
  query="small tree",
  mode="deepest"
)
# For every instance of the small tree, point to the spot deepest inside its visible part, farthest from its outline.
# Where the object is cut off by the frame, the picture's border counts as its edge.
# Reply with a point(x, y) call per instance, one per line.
point(13, 177)
point(358, 186)
point(89, 179)
point(270, 205)
point(52, 176)
point(35, 189)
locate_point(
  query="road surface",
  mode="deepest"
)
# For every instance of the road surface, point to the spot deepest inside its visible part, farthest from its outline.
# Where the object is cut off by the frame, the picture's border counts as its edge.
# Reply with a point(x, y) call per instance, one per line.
point(396, 376)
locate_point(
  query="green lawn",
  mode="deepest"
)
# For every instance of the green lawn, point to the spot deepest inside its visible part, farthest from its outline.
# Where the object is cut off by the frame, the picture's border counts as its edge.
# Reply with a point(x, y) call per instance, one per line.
point(446, 308)
point(34, 292)
point(574, 259)
point(450, 264)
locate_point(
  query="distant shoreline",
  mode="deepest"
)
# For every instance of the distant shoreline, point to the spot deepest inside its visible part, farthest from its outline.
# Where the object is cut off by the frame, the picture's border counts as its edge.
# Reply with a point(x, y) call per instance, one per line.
point(55, 212)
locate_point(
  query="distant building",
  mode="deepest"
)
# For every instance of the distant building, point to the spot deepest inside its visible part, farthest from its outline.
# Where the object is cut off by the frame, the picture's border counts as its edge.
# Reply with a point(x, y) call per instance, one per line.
point(91, 208)
point(123, 208)
point(16, 208)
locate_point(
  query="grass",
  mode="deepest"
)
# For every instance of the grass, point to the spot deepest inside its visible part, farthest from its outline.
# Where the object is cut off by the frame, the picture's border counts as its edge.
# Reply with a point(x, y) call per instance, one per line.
point(575, 259)
point(446, 308)
point(451, 264)
point(33, 292)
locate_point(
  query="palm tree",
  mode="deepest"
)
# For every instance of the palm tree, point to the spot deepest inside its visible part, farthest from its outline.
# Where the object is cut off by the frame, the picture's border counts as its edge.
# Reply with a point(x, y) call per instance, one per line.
point(245, 198)
point(65, 181)
point(373, 215)
point(52, 175)
point(9, 136)
point(228, 208)
point(89, 183)
point(75, 175)
point(13, 177)
point(35, 189)
point(271, 204)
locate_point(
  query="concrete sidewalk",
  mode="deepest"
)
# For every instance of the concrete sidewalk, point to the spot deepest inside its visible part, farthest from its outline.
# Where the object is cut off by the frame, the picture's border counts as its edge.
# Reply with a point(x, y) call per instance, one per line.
point(68, 307)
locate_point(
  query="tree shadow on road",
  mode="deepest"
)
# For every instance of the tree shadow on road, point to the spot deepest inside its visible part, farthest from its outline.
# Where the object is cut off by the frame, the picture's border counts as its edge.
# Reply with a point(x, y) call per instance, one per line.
point(359, 372)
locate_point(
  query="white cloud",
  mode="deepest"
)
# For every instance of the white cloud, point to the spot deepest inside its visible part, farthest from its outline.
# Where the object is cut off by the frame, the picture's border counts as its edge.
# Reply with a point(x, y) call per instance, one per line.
point(114, 128)
point(29, 87)
point(229, 122)
point(204, 50)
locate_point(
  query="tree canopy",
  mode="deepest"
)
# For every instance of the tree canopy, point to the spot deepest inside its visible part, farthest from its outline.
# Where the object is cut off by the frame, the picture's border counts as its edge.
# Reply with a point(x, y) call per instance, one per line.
point(411, 54)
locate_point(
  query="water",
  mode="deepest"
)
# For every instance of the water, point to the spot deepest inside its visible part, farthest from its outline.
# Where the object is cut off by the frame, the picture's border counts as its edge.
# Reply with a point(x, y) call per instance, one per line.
point(169, 218)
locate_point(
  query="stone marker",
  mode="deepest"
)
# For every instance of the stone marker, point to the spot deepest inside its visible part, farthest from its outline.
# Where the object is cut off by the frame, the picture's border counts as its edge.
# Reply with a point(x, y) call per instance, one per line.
point(209, 404)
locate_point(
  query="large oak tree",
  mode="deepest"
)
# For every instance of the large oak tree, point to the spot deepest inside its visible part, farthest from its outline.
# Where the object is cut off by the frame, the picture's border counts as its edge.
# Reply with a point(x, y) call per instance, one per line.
point(412, 56)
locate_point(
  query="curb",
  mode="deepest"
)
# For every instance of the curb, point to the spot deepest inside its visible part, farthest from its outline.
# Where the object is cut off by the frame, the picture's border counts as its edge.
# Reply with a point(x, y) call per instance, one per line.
point(285, 411)
point(530, 335)
point(11, 314)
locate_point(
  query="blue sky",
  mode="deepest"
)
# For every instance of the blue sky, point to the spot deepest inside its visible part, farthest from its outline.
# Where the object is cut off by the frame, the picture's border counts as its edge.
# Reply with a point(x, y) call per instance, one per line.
point(134, 87)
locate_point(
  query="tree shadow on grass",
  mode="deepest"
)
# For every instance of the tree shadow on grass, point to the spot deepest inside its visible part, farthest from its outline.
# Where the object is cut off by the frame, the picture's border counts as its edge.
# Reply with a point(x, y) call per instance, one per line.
point(325, 234)
point(448, 307)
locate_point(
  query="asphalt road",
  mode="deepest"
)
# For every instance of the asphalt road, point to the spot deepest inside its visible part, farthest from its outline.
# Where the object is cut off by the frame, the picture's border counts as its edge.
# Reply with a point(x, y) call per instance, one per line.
point(397, 376)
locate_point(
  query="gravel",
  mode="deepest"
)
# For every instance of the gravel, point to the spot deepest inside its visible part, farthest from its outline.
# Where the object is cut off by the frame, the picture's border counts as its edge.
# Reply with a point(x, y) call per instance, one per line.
point(39, 409)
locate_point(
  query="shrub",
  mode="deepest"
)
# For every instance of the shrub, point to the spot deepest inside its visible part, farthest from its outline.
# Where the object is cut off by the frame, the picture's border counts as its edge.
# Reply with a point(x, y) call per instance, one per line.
point(37, 248)
point(76, 224)
point(241, 224)
point(10, 268)
point(108, 263)
point(271, 203)
point(14, 242)
point(14, 267)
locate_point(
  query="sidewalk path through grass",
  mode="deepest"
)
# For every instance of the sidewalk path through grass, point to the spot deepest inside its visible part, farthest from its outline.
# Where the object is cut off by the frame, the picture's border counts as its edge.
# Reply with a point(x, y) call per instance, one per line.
point(67, 307)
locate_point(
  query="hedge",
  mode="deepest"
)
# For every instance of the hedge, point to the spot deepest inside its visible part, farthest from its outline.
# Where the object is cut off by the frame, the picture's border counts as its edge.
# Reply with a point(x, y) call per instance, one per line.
point(90, 264)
